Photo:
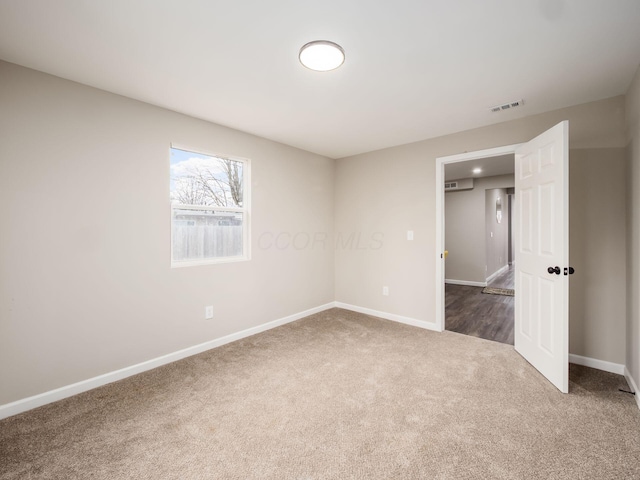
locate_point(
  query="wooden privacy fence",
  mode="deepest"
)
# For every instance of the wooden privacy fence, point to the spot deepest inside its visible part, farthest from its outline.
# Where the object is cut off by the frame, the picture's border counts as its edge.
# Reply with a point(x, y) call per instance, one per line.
point(206, 241)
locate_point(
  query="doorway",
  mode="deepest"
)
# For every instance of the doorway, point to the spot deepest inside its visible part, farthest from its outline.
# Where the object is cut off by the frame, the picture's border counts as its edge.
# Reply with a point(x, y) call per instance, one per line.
point(460, 160)
point(479, 277)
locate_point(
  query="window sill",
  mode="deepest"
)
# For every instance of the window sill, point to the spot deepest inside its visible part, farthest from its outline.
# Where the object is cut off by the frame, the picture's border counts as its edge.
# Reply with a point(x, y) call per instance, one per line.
point(209, 261)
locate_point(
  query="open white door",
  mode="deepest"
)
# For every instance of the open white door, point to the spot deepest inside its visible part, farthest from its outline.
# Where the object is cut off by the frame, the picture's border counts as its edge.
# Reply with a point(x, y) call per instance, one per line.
point(542, 253)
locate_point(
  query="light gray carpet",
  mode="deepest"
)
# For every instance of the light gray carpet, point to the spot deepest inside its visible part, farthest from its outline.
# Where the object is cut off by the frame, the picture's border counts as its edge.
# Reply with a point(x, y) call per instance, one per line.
point(337, 395)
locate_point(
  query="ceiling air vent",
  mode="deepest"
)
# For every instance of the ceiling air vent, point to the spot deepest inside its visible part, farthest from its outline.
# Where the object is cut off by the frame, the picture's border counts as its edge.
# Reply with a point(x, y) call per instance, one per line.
point(507, 106)
point(451, 186)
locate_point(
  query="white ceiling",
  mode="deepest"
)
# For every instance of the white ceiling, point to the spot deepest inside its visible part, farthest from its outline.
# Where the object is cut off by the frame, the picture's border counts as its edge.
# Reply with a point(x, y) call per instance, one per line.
point(501, 165)
point(414, 69)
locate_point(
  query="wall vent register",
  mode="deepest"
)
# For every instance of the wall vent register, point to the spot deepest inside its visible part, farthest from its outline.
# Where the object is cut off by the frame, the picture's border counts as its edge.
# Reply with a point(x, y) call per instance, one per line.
point(457, 185)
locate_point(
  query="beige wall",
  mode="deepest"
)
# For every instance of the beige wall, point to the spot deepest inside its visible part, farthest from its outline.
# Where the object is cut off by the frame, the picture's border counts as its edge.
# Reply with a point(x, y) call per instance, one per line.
point(633, 228)
point(392, 190)
point(496, 235)
point(466, 227)
point(85, 282)
point(597, 250)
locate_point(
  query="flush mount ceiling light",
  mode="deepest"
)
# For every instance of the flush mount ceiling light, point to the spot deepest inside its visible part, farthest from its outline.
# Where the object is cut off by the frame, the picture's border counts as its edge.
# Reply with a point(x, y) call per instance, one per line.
point(477, 170)
point(321, 55)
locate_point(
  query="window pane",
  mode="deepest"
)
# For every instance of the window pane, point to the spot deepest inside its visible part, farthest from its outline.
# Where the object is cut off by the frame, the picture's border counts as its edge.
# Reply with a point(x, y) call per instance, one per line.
point(198, 179)
point(206, 234)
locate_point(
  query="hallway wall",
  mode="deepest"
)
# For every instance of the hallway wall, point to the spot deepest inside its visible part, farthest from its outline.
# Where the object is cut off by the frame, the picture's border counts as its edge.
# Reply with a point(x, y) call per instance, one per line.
point(465, 228)
point(496, 234)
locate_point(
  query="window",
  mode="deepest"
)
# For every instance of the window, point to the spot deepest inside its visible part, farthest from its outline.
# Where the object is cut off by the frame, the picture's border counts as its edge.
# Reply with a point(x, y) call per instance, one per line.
point(209, 208)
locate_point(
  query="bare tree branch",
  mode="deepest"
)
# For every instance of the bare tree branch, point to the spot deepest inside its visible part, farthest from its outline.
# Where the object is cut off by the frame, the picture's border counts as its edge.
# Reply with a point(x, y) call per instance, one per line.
point(204, 186)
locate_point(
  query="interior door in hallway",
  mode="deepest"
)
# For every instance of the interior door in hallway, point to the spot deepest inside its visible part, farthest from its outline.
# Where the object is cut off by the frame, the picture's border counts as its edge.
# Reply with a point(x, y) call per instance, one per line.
point(542, 253)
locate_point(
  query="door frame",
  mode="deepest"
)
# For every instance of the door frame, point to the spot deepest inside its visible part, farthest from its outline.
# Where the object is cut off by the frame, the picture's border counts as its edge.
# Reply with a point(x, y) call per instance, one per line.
point(440, 164)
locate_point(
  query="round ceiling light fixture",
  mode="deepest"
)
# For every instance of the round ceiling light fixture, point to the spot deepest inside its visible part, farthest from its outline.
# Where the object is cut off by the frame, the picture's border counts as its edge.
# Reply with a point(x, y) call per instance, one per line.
point(321, 55)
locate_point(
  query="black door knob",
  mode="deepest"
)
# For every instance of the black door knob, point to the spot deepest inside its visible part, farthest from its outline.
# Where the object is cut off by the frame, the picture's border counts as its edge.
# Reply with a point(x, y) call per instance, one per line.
point(569, 270)
point(553, 270)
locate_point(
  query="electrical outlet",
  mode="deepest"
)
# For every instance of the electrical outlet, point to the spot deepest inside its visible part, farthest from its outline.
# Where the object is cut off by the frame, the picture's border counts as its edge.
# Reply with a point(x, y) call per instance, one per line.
point(208, 312)
point(385, 291)
point(409, 234)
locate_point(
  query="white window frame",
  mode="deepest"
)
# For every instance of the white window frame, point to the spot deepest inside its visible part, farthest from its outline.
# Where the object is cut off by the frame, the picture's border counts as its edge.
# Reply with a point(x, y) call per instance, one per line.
point(245, 210)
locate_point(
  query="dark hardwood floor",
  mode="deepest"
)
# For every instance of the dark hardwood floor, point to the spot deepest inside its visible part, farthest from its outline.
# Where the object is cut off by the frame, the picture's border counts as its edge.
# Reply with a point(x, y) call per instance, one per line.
point(471, 312)
point(505, 280)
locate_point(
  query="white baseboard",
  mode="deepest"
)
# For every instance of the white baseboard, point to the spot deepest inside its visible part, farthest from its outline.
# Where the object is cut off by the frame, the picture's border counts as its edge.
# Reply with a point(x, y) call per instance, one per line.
point(632, 385)
point(597, 364)
point(465, 282)
point(51, 396)
point(41, 399)
point(495, 274)
point(389, 316)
